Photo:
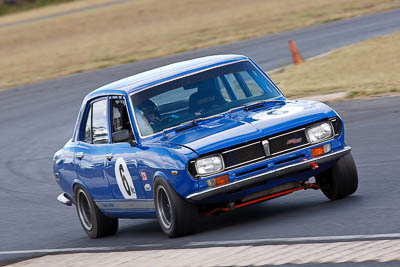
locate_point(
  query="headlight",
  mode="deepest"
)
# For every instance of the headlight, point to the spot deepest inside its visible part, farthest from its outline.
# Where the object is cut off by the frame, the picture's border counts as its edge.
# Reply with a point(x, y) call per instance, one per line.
point(319, 132)
point(209, 165)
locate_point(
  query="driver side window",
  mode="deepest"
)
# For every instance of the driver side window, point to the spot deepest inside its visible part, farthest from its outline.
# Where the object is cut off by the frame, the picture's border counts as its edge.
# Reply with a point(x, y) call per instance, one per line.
point(119, 116)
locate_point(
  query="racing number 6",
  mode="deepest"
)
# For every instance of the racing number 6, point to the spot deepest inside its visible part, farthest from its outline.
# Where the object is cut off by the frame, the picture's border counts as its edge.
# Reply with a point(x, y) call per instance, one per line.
point(124, 179)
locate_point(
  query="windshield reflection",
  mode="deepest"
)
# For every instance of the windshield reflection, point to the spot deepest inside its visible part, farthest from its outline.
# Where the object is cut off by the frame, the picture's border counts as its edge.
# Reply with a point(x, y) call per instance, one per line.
point(200, 95)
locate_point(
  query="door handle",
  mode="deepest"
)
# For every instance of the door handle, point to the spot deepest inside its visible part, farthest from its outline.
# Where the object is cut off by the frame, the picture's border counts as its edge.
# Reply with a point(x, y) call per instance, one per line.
point(79, 155)
point(109, 156)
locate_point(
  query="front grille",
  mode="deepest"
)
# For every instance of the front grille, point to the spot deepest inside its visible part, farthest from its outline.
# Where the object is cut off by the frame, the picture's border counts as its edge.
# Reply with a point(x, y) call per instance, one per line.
point(280, 143)
point(244, 154)
point(287, 141)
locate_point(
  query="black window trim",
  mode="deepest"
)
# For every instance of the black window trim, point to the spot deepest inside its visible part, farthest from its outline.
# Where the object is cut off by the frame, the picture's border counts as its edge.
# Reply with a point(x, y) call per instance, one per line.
point(84, 125)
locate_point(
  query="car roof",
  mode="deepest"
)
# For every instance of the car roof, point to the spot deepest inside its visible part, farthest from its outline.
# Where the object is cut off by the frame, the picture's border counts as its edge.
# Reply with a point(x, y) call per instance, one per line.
point(165, 74)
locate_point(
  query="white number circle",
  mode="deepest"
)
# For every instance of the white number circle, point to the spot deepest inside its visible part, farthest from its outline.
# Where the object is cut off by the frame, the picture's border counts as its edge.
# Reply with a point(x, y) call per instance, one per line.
point(124, 179)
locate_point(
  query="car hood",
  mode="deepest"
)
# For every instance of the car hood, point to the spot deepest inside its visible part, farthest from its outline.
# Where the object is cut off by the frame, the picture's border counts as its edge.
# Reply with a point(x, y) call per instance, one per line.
point(244, 126)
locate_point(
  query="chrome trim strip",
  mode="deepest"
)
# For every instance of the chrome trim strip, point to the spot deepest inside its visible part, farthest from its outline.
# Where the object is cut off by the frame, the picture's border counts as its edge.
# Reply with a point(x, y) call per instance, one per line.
point(271, 157)
point(233, 166)
point(287, 133)
point(277, 154)
point(63, 199)
point(227, 151)
point(143, 204)
point(293, 148)
point(308, 141)
point(267, 175)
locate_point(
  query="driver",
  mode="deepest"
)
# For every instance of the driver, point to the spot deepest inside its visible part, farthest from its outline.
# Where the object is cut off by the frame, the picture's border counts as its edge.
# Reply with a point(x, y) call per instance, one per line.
point(150, 111)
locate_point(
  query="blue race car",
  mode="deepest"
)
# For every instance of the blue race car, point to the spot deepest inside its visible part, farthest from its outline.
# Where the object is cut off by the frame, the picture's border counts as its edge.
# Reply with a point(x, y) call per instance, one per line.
point(194, 139)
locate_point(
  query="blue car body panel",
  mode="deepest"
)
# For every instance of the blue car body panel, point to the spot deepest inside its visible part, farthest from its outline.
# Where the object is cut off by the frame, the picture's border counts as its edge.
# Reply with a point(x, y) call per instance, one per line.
point(161, 155)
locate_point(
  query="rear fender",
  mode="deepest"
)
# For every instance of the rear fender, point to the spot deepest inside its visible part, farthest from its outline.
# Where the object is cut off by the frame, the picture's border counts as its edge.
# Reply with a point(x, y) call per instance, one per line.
point(74, 184)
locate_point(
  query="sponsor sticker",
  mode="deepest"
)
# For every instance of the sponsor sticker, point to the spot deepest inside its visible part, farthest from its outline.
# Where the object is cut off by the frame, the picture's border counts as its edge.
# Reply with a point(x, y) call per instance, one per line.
point(144, 176)
point(147, 187)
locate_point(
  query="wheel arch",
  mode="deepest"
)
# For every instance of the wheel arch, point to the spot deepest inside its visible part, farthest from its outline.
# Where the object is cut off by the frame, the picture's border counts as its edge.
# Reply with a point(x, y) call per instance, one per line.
point(75, 183)
point(160, 175)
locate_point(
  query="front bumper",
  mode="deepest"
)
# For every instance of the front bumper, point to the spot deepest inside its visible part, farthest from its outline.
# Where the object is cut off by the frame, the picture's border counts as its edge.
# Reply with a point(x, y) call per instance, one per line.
point(262, 177)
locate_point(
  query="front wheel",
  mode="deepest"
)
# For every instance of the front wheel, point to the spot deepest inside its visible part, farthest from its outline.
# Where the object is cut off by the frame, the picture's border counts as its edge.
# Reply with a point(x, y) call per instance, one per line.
point(95, 223)
point(341, 180)
point(176, 216)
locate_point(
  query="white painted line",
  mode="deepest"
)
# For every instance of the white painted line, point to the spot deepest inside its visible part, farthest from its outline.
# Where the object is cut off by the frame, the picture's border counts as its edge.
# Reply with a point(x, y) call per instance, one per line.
point(295, 240)
point(88, 249)
point(377, 251)
point(216, 243)
point(53, 250)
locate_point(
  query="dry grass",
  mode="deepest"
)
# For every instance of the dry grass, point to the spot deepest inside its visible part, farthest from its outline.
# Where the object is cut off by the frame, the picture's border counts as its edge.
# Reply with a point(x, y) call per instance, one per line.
point(364, 69)
point(149, 28)
point(50, 10)
point(24, 5)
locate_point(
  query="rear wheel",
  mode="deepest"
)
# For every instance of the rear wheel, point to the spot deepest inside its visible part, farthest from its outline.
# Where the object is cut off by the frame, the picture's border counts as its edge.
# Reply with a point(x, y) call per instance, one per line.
point(95, 223)
point(176, 216)
point(341, 180)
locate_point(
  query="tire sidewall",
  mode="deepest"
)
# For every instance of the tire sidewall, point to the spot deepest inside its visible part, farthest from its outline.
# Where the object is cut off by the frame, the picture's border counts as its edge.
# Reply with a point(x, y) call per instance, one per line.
point(161, 184)
point(92, 233)
point(341, 180)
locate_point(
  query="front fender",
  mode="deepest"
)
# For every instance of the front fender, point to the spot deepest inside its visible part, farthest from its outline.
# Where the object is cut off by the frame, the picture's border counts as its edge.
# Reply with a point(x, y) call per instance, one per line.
point(168, 162)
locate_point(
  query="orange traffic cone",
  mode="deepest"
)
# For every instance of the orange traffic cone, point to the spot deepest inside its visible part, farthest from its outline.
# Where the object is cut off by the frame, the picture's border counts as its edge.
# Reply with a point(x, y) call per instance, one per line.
point(297, 58)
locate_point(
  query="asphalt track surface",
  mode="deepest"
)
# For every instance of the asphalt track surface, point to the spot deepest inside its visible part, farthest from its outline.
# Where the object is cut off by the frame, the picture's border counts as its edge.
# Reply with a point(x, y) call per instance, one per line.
point(38, 119)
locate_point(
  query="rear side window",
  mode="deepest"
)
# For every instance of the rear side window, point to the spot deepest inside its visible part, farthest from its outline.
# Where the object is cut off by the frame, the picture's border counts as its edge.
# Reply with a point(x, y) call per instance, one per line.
point(96, 125)
point(99, 122)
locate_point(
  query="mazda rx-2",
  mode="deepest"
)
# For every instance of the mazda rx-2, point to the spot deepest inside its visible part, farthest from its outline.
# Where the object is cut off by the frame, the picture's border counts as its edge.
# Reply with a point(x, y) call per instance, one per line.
point(197, 138)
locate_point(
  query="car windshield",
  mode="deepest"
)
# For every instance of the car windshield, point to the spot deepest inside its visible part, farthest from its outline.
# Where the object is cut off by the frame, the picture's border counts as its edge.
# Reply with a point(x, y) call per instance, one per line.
point(200, 95)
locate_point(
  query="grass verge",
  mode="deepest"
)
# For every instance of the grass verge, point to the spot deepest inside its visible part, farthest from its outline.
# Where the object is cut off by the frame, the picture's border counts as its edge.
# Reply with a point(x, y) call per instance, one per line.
point(368, 68)
point(144, 29)
point(6, 9)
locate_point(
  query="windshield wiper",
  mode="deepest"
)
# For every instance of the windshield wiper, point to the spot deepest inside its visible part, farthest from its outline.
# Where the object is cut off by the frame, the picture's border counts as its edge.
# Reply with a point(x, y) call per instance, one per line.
point(248, 107)
point(254, 105)
point(190, 124)
point(195, 121)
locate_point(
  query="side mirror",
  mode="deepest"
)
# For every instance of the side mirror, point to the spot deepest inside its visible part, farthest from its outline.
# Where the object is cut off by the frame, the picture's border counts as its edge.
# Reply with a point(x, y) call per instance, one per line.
point(121, 136)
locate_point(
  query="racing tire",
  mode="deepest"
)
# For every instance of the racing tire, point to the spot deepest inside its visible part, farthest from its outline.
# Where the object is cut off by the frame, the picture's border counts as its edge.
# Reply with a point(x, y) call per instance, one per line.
point(176, 216)
point(95, 223)
point(339, 181)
